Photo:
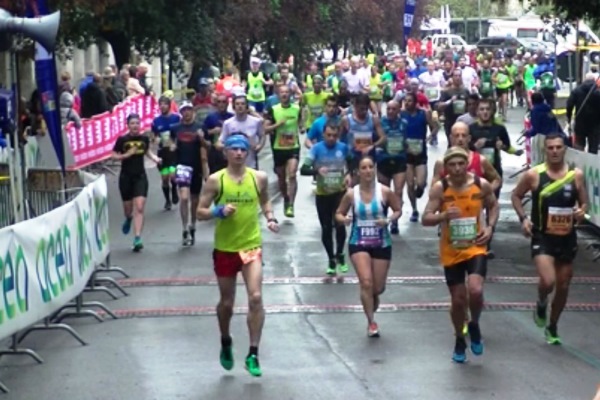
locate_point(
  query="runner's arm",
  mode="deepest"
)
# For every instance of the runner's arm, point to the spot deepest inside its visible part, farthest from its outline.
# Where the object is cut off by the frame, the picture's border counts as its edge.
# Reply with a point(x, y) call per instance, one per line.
point(489, 173)
point(491, 204)
point(308, 167)
point(524, 186)
point(265, 201)
point(431, 215)
point(395, 203)
point(207, 196)
point(379, 131)
point(582, 193)
point(437, 172)
point(344, 207)
point(270, 125)
point(434, 126)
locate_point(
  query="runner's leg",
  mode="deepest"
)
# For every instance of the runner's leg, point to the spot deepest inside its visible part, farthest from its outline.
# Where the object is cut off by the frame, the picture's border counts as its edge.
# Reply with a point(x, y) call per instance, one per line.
point(364, 270)
point(563, 274)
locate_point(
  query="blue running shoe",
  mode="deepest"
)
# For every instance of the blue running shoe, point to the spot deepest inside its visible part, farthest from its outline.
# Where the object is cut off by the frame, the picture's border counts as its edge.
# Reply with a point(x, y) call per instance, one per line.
point(475, 336)
point(414, 217)
point(460, 351)
point(126, 226)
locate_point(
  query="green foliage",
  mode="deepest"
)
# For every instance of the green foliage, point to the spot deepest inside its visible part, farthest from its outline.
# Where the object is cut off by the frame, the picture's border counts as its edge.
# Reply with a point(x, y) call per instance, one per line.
point(460, 8)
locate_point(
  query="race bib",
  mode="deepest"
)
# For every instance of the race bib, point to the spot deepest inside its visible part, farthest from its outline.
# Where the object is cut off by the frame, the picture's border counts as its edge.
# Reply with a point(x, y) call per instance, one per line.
point(256, 93)
point(463, 232)
point(502, 79)
point(432, 94)
point(415, 146)
point(395, 144)
point(489, 153)
point(459, 107)
point(287, 140)
point(362, 142)
point(183, 174)
point(201, 114)
point(374, 90)
point(248, 256)
point(316, 111)
point(486, 87)
point(165, 138)
point(332, 182)
point(560, 221)
point(369, 234)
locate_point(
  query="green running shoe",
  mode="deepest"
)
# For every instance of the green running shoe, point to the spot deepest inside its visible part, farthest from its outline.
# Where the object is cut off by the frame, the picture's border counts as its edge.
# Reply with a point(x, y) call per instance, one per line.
point(226, 357)
point(552, 336)
point(331, 268)
point(341, 263)
point(539, 315)
point(138, 245)
point(253, 366)
point(289, 211)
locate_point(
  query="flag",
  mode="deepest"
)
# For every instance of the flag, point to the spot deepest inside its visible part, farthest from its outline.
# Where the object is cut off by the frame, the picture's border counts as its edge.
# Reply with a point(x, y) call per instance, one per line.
point(46, 79)
point(409, 13)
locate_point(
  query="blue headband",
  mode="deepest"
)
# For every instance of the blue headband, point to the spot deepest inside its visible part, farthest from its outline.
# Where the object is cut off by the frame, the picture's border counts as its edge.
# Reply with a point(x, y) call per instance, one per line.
point(238, 142)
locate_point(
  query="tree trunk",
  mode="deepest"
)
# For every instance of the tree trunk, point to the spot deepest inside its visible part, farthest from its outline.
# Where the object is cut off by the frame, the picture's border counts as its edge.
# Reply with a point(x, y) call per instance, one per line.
point(335, 48)
point(121, 46)
point(245, 59)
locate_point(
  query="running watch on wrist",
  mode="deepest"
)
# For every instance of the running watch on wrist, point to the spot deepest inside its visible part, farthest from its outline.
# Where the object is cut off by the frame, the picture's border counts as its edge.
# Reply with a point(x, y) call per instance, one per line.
point(523, 218)
point(272, 220)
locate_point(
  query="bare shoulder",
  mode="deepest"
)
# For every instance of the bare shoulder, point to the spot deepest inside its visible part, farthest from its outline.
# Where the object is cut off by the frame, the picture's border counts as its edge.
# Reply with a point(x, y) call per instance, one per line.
point(261, 176)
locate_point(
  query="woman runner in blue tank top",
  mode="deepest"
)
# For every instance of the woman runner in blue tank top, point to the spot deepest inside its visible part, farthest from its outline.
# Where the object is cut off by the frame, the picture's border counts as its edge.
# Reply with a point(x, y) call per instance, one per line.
point(370, 244)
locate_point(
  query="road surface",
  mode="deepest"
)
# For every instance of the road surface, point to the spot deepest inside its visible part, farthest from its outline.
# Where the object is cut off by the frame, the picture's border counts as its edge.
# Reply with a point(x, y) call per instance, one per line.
point(165, 345)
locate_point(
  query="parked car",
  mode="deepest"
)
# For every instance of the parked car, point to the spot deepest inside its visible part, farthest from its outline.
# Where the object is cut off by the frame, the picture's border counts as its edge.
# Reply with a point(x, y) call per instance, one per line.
point(535, 45)
point(509, 45)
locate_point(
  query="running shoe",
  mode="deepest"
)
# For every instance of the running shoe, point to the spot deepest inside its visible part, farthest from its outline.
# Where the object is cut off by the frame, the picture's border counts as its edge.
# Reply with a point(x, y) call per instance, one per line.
point(552, 336)
point(341, 263)
point(539, 315)
point(289, 211)
point(460, 350)
point(168, 206)
point(253, 366)
point(415, 216)
point(373, 330)
point(331, 268)
point(137, 244)
point(394, 228)
point(226, 357)
point(126, 226)
point(185, 240)
point(192, 236)
point(475, 335)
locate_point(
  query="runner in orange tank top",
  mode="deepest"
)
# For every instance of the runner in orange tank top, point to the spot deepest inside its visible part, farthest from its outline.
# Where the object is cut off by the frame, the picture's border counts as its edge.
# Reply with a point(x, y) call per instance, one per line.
point(456, 203)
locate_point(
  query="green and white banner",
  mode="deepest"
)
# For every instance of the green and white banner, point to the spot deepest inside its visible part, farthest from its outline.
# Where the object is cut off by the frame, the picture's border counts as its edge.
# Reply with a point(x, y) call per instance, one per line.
point(45, 262)
point(590, 165)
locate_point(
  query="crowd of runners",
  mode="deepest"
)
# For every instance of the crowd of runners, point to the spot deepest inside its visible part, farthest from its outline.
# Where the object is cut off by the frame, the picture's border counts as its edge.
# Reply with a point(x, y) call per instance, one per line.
point(362, 129)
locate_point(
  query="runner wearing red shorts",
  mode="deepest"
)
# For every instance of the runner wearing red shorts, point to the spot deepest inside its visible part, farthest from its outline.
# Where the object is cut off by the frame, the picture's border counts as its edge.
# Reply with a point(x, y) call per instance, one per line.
point(236, 192)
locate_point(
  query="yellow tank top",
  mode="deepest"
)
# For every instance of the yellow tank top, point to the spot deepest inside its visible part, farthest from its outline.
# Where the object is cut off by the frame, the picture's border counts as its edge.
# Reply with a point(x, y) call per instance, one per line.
point(316, 106)
point(375, 92)
point(458, 235)
point(241, 230)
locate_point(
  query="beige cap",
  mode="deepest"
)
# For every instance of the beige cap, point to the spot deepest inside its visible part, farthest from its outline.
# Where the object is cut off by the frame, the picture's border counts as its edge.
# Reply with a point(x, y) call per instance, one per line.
point(455, 151)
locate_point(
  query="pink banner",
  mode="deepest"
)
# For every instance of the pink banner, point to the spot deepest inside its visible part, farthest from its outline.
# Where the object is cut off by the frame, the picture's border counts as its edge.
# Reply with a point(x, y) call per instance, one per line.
point(95, 139)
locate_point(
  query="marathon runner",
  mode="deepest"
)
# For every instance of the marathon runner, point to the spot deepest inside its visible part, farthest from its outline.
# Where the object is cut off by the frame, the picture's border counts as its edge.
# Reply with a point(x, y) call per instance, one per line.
point(453, 102)
point(256, 82)
point(417, 121)
point(130, 149)
point(284, 127)
point(559, 200)
point(456, 202)
point(247, 125)
point(327, 160)
point(161, 128)
point(314, 101)
point(192, 167)
point(391, 163)
point(236, 192)
point(332, 113)
point(370, 244)
point(213, 124)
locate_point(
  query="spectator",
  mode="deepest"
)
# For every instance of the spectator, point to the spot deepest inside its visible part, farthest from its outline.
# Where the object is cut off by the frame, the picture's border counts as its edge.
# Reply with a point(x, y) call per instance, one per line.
point(93, 99)
point(133, 84)
point(543, 120)
point(89, 78)
point(585, 99)
point(67, 113)
point(112, 96)
point(142, 71)
point(120, 84)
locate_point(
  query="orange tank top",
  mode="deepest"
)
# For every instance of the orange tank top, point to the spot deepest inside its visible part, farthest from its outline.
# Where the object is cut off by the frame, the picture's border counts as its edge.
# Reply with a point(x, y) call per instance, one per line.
point(458, 235)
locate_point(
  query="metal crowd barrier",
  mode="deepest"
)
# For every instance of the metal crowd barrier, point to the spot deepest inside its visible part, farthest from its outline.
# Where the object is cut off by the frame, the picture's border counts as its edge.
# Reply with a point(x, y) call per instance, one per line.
point(45, 191)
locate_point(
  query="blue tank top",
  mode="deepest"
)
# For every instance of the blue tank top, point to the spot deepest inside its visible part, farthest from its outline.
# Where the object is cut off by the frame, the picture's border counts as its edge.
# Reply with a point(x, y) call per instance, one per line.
point(416, 132)
point(395, 132)
point(360, 135)
point(364, 230)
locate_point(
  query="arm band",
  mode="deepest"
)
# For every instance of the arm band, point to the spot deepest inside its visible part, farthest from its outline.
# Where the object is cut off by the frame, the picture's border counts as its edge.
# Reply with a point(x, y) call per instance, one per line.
point(217, 211)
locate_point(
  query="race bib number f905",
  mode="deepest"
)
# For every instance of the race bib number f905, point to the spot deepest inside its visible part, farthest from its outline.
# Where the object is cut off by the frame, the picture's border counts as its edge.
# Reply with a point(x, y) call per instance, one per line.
point(183, 175)
point(560, 221)
point(463, 232)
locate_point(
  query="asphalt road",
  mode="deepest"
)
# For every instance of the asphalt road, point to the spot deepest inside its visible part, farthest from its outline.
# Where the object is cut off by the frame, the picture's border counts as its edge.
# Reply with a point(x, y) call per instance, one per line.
point(165, 344)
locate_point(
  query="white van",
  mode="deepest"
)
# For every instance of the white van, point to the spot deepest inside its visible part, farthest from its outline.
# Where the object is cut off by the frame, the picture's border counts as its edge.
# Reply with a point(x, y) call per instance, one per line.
point(455, 42)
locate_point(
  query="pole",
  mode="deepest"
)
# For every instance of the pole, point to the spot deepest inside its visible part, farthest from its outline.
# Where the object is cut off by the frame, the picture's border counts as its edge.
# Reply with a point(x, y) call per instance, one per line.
point(15, 181)
point(569, 60)
point(578, 66)
point(170, 69)
point(479, 18)
point(163, 70)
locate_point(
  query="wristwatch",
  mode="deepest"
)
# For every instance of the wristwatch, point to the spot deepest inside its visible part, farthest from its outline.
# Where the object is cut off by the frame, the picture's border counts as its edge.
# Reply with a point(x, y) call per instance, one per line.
point(523, 218)
point(272, 220)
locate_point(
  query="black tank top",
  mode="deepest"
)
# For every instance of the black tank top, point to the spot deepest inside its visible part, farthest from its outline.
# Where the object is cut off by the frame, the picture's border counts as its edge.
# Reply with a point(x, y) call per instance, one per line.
point(553, 202)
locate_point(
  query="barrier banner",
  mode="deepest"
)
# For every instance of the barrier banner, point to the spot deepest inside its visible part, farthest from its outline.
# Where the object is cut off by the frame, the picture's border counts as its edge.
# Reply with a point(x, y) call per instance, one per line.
point(46, 261)
point(590, 165)
point(95, 139)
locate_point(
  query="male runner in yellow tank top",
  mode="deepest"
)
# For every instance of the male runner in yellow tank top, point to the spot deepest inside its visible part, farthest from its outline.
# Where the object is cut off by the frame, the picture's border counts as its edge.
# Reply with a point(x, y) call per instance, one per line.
point(237, 192)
